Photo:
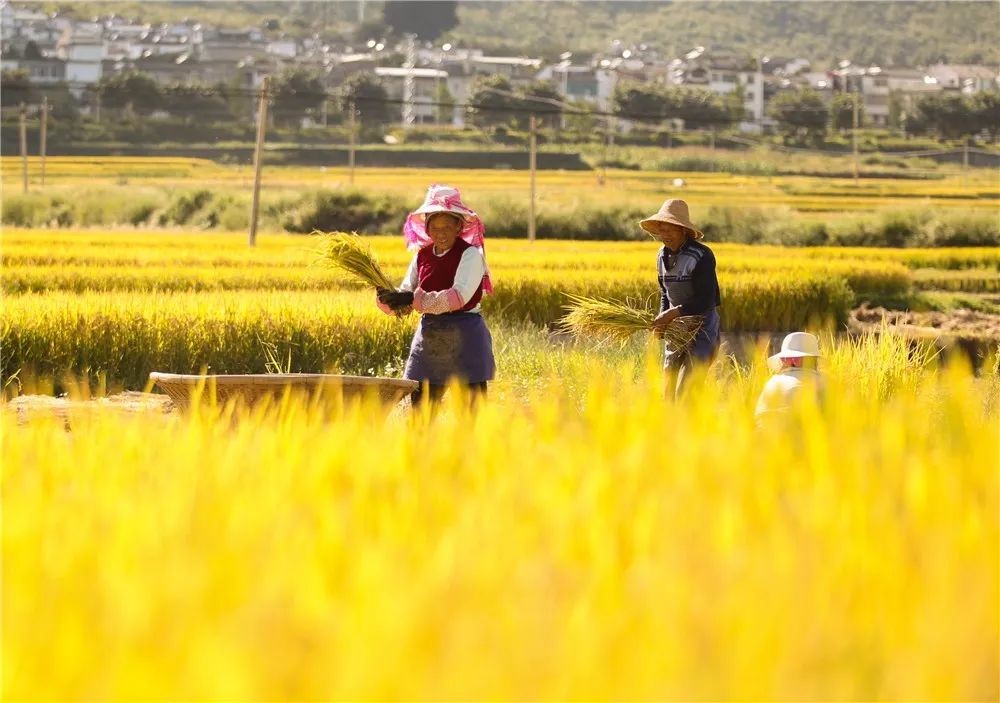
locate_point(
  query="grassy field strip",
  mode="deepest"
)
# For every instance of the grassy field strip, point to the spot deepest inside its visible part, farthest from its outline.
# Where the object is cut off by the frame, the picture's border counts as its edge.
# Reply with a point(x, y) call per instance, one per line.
point(96, 245)
point(806, 194)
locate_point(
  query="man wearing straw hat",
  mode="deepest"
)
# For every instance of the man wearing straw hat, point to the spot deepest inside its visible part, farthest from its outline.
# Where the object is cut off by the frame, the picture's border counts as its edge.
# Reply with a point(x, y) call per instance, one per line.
point(795, 370)
point(688, 286)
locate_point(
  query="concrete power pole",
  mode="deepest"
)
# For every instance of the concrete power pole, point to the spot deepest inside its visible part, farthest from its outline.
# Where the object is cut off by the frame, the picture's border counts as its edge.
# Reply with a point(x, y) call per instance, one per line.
point(258, 158)
point(854, 136)
point(408, 84)
point(23, 129)
point(532, 166)
point(43, 135)
point(352, 126)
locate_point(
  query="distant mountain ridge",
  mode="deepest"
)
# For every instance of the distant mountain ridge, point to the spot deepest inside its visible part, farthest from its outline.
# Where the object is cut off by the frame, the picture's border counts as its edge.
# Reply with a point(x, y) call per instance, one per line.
point(881, 33)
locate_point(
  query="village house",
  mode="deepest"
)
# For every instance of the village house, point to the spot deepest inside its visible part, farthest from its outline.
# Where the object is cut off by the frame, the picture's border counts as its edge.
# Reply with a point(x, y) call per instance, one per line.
point(426, 84)
point(82, 48)
point(55, 48)
point(965, 78)
point(724, 72)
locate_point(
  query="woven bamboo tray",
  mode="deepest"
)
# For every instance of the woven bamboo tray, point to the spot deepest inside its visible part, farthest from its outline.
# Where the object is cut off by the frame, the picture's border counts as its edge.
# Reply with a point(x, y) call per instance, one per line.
point(251, 388)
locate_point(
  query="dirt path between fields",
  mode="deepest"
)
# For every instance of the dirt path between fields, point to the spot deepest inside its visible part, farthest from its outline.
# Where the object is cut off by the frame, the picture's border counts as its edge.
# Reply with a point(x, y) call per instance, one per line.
point(959, 324)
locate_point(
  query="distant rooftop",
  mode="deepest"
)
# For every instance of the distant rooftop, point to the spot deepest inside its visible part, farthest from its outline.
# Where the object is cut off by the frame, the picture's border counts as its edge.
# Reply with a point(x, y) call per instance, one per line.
point(392, 72)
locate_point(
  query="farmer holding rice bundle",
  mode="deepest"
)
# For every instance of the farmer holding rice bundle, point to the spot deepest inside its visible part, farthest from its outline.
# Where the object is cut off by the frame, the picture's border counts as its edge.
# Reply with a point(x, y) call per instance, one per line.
point(445, 282)
point(688, 286)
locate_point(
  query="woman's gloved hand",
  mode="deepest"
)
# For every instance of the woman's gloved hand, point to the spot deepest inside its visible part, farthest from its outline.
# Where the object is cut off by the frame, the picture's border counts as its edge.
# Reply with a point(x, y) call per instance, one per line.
point(395, 299)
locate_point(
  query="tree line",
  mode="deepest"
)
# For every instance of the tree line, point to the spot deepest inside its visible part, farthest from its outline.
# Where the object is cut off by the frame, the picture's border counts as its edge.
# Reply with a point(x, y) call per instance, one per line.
point(802, 116)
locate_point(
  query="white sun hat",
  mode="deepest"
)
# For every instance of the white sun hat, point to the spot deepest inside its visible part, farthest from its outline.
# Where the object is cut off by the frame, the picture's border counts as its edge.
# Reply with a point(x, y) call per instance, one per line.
point(795, 345)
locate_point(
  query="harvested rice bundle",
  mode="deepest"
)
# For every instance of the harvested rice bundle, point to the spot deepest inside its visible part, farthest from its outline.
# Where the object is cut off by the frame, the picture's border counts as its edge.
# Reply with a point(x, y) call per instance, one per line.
point(614, 321)
point(350, 254)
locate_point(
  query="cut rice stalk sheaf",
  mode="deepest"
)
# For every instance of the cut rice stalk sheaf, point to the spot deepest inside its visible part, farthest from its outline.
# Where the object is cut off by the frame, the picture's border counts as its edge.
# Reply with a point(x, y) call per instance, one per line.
point(615, 321)
point(350, 254)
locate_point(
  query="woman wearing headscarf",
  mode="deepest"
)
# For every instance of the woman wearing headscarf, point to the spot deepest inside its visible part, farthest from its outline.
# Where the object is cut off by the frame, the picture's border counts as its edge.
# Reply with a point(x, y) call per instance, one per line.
point(445, 283)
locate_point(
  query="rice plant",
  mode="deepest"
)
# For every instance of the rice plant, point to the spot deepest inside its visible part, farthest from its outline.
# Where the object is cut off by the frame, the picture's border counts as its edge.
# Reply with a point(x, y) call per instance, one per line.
point(350, 254)
point(615, 321)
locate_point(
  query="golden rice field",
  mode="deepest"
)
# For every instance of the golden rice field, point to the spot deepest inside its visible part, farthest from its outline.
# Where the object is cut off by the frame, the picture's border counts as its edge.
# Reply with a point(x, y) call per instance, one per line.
point(978, 189)
point(572, 542)
point(577, 537)
point(117, 305)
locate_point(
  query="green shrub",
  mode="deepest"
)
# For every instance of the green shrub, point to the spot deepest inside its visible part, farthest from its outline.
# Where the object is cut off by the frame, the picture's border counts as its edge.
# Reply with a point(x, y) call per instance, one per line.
point(184, 205)
point(25, 209)
point(960, 229)
point(347, 210)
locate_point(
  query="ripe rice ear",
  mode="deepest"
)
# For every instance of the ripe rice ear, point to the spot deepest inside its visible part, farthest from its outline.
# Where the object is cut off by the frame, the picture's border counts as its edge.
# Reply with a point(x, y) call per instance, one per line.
point(350, 254)
point(615, 321)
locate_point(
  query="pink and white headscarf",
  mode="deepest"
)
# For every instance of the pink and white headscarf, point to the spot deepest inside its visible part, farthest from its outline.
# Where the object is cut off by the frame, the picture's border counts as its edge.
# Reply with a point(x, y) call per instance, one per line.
point(442, 198)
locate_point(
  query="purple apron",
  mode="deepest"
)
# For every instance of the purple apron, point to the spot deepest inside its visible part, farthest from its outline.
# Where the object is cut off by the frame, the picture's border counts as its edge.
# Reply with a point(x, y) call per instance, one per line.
point(453, 345)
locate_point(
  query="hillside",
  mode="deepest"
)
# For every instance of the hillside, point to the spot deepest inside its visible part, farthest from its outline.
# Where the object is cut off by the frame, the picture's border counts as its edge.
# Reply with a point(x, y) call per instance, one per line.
point(884, 33)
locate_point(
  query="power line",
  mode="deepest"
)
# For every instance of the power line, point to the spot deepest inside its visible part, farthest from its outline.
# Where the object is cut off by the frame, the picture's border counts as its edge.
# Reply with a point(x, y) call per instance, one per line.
point(549, 107)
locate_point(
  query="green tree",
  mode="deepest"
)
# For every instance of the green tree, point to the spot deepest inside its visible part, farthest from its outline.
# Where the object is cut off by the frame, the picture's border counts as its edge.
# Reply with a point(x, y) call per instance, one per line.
point(371, 29)
point(800, 114)
point(133, 89)
point(581, 120)
point(949, 115)
point(15, 88)
point(196, 103)
point(368, 95)
point(428, 19)
point(63, 105)
point(986, 106)
point(487, 103)
point(639, 101)
point(297, 93)
point(537, 98)
point(445, 108)
point(842, 111)
point(897, 109)
point(701, 108)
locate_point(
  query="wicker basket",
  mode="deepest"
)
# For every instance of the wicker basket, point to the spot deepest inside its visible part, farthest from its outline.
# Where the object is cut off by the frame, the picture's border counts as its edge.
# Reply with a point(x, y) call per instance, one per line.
point(251, 388)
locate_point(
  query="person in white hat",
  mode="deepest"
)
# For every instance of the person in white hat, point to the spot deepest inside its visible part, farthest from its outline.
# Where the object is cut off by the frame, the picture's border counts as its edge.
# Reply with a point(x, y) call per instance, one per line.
point(796, 371)
point(688, 286)
point(446, 282)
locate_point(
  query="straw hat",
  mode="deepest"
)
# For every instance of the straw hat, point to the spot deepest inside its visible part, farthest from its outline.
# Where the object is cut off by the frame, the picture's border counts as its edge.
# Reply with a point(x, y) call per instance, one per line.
point(674, 211)
point(795, 345)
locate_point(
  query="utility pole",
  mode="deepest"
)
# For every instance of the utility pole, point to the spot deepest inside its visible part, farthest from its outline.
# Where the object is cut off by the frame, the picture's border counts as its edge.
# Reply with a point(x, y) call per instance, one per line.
point(603, 178)
point(409, 89)
point(532, 147)
point(965, 161)
point(43, 135)
point(258, 157)
point(352, 136)
point(23, 117)
point(854, 136)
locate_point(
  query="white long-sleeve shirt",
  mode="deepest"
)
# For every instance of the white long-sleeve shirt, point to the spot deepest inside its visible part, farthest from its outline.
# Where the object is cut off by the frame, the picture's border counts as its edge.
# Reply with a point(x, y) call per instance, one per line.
point(782, 390)
point(468, 278)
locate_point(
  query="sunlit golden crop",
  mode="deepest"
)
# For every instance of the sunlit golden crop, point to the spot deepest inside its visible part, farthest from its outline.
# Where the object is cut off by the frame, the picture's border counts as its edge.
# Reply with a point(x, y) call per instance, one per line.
point(594, 543)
